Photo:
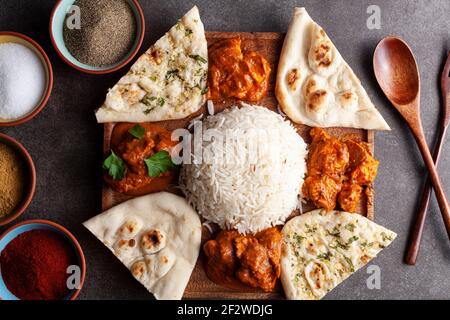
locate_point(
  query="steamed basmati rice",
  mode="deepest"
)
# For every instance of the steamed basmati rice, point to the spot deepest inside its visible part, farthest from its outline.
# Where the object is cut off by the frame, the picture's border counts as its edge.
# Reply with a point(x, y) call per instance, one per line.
point(238, 187)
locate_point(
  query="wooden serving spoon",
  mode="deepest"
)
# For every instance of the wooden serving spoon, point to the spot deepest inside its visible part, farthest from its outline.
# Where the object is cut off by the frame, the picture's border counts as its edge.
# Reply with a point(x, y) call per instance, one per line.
point(398, 76)
point(416, 235)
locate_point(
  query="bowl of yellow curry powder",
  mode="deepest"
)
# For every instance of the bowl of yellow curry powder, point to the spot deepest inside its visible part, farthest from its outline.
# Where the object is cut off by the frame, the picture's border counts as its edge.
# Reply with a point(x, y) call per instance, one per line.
point(17, 179)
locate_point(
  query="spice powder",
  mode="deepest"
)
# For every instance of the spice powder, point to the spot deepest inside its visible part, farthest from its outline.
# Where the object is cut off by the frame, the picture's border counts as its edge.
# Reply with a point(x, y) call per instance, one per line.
point(12, 179)
point(106, 34)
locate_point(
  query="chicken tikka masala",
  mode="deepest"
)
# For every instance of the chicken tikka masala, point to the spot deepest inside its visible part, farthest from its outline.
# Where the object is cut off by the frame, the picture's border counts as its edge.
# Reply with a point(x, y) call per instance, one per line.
point(237, 73)
point(338, 171)
point(233, 259)
point(141, 153)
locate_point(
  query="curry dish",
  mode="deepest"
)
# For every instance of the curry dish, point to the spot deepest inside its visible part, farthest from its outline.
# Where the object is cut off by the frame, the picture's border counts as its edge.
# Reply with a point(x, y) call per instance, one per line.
point(234, 73)
point(253, 260)
point(338, 171)
point(133, 152)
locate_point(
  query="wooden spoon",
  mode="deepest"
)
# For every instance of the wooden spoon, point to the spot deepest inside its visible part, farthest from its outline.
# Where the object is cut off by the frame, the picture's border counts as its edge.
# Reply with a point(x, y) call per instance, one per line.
point(398, 76)
point(416, 235)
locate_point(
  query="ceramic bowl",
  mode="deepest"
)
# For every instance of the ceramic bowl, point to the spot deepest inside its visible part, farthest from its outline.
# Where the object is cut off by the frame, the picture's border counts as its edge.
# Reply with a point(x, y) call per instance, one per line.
point(14, 37)
point(29, 225)
point(29, 164)
point(57, 19)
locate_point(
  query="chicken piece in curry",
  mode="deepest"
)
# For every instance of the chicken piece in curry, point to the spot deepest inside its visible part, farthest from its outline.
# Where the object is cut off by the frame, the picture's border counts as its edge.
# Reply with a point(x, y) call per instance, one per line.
point(338, 171)
point(134, 151)
point(237, 73)
point(233, 259)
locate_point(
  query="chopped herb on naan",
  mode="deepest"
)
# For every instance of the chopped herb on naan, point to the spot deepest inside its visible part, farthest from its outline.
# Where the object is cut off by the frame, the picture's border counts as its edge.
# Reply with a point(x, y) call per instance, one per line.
point(168, 81)
point(321, 249)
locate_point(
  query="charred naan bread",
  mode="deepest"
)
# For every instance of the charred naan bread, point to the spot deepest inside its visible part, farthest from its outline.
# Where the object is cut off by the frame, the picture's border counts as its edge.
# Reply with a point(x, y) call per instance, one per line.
point(167, 82)
point(320, 250)
point(157, 237)
point(315, 86)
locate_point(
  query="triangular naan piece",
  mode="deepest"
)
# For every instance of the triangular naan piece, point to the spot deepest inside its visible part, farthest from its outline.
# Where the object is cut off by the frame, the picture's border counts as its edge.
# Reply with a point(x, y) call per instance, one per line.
point(168, 81)
point(157, 237)
point(321, 249)
point(315, 86)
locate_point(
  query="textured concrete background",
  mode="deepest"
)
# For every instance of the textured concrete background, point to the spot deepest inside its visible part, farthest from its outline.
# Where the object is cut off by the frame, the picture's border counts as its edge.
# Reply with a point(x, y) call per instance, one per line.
point(66, 142)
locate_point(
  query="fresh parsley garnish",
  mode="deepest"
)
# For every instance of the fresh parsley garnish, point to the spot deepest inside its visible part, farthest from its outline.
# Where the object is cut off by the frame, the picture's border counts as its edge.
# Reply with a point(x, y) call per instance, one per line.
point(335, 232)
point(350, 264)
point(352, 239)
point(198, 58)
point(147, 100)
point(137, 131)
point(310, 229)
point(339, 244)
point(366, 244)
point(298, 238)
point(152, 102)
point(350, 227)
point(171, 73)
point(325, 256)
point(205, 90)
point(160, 101)
point(385, 237)
point(115, 166)
point(188, 32)
point(159, 163)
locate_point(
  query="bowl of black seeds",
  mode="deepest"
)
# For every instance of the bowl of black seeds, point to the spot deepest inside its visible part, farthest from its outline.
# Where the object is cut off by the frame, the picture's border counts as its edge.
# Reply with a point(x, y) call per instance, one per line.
point(97, 36)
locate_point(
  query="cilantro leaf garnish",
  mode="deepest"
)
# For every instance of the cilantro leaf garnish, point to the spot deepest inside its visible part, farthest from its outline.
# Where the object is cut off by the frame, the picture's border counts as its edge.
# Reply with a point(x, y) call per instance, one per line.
point(350, 264)
point(115, 166)
point(352, 239)
point(137, 131)
point(147, 100)
point(197, 57)
point(159, 163)
point(350, 227)
point(171, 73)
point(161, 101)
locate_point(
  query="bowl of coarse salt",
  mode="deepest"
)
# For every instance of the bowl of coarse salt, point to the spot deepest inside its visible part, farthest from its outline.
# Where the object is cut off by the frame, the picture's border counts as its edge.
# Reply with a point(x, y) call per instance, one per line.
point(26, 78)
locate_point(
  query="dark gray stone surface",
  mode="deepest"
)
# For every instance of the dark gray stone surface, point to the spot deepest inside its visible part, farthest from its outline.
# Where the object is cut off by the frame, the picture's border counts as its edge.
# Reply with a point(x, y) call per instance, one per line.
point(65, 140)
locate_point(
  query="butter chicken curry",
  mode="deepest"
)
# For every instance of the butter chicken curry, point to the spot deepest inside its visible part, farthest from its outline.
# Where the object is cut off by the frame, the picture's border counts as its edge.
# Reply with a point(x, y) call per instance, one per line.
point(140, 161)
point(234, 73)
point(338, 171)
point(233, 259)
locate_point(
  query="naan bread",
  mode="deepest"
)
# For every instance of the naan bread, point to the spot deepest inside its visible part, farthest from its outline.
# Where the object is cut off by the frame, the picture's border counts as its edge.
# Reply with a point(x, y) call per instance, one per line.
point(157, 237)
point(320, 250)
point(167, 82)
point(315, 86)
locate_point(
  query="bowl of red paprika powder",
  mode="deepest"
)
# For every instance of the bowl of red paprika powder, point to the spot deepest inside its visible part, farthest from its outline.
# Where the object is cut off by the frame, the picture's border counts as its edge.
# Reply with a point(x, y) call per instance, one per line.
point(40, 260)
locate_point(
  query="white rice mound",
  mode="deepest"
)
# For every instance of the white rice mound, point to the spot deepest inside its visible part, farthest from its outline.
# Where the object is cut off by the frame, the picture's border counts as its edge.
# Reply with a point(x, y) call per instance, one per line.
point(235, 190)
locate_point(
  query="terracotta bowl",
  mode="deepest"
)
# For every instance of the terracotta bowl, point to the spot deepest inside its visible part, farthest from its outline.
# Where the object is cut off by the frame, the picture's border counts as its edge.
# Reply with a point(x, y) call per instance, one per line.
point(14, 37)
point(57, 19)
point(29, 225)
point(29, 164)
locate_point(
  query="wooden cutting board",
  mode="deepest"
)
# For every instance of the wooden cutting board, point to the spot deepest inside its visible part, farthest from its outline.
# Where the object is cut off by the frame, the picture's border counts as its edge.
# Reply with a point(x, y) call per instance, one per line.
point(268, 44)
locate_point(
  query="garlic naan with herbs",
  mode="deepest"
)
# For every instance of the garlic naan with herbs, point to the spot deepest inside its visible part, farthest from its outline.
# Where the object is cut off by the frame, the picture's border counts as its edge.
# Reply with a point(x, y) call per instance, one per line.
point(169, 81)
point(321, 249)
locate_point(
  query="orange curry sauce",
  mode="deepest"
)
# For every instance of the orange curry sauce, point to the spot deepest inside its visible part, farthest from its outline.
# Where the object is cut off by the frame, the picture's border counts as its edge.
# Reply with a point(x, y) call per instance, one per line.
point(234, 259)
point(234, 73)
point(133, 152)
point(338, 171)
